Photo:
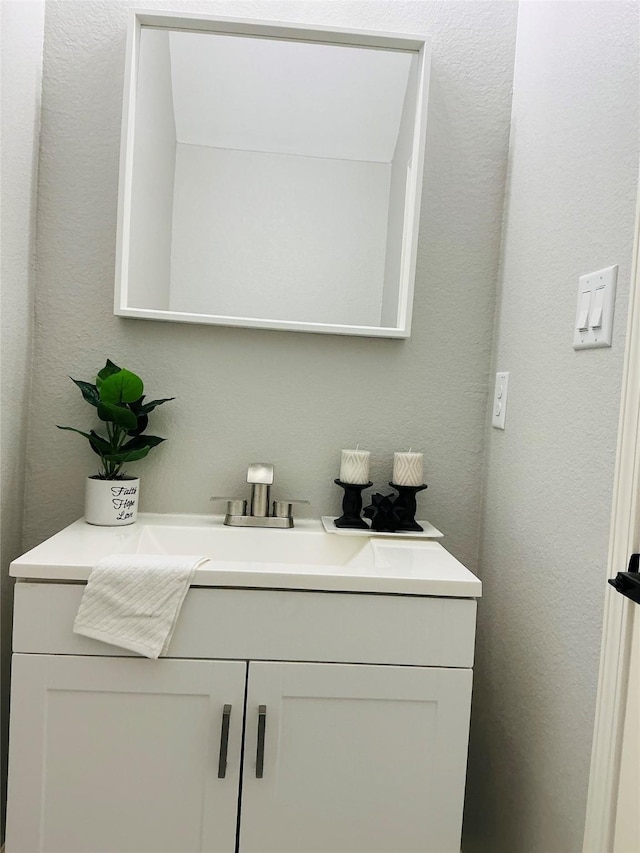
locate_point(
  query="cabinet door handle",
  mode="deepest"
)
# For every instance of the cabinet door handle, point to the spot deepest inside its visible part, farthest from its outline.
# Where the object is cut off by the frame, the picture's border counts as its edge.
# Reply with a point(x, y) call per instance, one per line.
point(262, 726)
point(224, 742)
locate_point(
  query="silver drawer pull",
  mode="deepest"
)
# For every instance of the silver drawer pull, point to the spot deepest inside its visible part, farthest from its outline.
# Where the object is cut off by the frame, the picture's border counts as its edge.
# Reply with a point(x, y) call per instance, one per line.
point(224, 742)
point(262, 726)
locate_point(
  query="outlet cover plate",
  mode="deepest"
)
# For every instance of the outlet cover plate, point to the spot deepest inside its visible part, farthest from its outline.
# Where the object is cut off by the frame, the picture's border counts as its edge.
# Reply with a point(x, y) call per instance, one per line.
point(500, 400)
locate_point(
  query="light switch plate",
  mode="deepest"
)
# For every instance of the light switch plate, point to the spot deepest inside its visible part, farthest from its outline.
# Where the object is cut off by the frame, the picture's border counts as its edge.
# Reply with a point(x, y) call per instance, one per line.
point(500, 400)
point(593, 326)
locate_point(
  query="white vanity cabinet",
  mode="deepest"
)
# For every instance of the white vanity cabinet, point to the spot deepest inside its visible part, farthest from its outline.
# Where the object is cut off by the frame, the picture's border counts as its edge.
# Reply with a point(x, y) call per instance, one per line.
point(358, 759)
point(114, 754)
point(282, 721)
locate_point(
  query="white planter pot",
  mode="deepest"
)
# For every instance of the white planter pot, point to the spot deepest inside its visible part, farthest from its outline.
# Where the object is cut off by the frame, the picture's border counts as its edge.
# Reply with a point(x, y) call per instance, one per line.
point(110, 503)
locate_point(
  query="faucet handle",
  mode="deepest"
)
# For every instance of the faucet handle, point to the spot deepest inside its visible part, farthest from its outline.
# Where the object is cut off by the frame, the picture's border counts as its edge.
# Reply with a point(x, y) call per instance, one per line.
point(283, 508)
point(260, 473)
point(235, 506)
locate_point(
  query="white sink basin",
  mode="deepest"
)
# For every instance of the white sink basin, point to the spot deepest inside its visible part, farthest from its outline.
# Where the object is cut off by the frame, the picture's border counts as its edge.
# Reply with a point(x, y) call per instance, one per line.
point(297, 546)
point(305, 557)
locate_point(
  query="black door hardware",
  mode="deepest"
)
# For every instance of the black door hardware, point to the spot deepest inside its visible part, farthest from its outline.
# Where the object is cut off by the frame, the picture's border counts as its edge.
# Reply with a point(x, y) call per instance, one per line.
point(628, 583)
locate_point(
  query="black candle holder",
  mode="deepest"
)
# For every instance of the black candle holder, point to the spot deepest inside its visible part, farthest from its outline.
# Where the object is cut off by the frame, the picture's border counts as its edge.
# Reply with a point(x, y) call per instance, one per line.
point(352, 505)
point(382, 513)
point(405, 506)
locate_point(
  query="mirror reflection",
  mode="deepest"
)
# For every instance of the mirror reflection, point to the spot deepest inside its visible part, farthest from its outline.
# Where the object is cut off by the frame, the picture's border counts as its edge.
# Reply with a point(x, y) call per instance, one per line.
point(271, 181)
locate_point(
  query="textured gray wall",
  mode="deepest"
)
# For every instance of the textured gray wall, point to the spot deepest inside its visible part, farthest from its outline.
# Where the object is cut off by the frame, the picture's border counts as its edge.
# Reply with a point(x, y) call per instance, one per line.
point(294, 399)
point(22, 26)
point(298, 399)
point(549, 475)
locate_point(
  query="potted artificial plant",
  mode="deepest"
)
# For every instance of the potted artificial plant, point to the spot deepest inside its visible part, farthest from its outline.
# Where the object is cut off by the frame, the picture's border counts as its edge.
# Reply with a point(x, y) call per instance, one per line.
point(111, 495)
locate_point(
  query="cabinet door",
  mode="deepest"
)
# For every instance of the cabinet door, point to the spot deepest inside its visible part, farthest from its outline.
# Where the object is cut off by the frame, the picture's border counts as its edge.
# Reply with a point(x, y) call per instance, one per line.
point(116, 754)
point(357, 759)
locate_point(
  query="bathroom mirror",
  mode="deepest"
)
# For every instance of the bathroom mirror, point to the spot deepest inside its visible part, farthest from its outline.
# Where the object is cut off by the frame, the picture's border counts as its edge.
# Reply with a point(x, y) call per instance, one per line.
point(270, 175)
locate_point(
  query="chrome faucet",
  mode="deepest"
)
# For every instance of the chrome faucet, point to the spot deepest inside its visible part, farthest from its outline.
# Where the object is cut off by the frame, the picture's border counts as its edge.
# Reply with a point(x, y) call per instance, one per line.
point(261, 512)
point(260, 478)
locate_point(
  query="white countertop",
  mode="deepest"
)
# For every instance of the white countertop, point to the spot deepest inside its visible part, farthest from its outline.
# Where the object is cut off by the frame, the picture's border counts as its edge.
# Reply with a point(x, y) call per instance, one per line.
point(303, 558)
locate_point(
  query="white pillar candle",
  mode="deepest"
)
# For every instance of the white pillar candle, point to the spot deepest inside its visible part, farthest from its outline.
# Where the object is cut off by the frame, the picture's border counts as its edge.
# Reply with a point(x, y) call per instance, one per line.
point(354, 467)
point(408, 469)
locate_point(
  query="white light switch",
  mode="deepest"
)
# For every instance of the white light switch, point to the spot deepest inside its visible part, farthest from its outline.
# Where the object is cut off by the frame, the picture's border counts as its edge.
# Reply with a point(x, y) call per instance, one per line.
point(584, 304)
point(594, 315)
point(500, 400)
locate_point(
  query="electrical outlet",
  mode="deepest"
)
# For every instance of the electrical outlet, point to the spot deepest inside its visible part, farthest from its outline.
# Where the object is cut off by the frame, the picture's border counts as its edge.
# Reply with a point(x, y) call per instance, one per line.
point(500, 400)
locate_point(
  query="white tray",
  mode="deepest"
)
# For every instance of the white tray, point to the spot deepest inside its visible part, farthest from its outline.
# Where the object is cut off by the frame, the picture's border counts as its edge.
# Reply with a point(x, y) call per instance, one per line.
point(429, 532)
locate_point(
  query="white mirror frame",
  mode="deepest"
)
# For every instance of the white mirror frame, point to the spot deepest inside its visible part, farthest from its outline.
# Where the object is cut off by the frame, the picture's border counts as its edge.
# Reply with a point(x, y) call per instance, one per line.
point(419, 45)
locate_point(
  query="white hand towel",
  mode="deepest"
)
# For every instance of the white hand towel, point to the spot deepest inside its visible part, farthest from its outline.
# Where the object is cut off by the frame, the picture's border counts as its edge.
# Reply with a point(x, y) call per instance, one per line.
point(133, 600)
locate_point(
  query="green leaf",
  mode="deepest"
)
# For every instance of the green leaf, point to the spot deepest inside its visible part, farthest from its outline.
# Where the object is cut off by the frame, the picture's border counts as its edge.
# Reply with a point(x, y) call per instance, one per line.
point(118, 415)
point(99, 444)
point(145, 408)
point(143, 423)
point(108, 370)
point(73, 429)
point(141, 441)
point(130, 456)
point(121, 387)
point(142, 410)
point(89, 391)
